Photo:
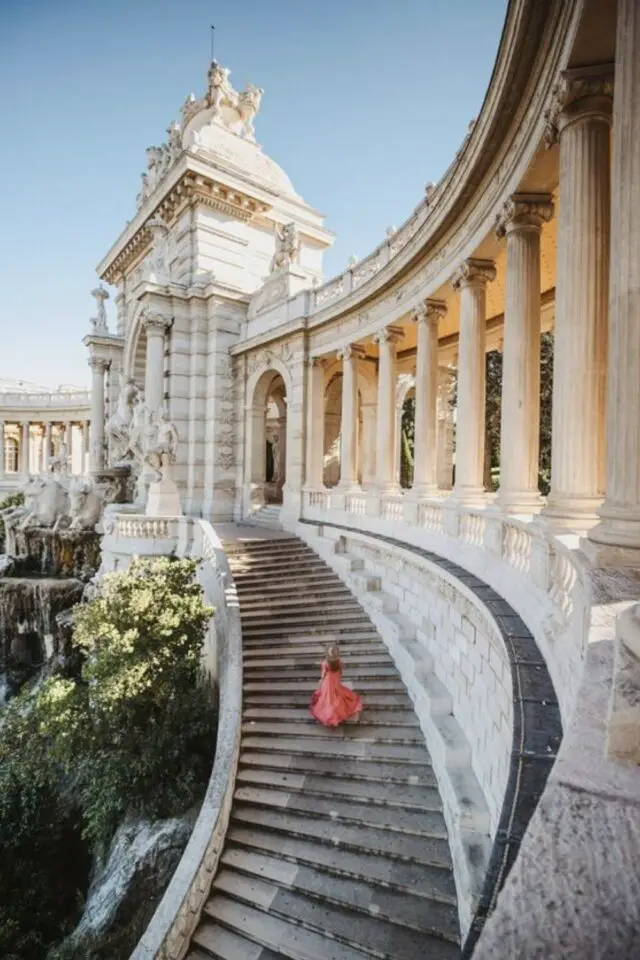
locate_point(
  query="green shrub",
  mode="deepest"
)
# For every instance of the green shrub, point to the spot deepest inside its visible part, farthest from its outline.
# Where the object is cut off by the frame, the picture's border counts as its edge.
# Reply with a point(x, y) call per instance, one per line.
point(133, 734)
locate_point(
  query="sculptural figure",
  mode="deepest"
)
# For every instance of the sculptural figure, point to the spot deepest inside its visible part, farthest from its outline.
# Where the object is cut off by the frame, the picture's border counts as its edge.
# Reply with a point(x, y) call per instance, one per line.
point(287, 246)
point(59, 465)
point(248, 105)
point(86, 502)
point(48, 503)
point(161, 443)
point(118, 426)
point(219, 87)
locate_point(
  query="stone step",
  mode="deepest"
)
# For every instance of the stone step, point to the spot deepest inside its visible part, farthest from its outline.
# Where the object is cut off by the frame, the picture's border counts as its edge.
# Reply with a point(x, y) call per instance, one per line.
point(310, 671)
point(388, 843)
point(289, 599)
point(360, 791)
point(338, 616)
point(339, 744)
point(346, 810)
point(267, 568)
point(317, 640)
point(314, 651)
point(341, 923)
point(313, 661)
point(377, 701)
point(337, 632)
point(223, 944)
point(391, 685)
point(362, 732)
point(425, 881)
point(362, 768)
point(437, 917)
point(298, 715)
point(288, 939)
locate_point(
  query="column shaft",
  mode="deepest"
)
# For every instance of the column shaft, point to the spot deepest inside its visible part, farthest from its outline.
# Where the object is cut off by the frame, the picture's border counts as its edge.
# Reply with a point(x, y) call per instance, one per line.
point(98, 368)
point(619, 525)
point(471, 280)
point(46, 449)
point(315, 423)
point(521, 222)
point(349, 421)
point(387, 341)
point(155, 326)
point(24, 448)
point(582, 290)
point(427, 317)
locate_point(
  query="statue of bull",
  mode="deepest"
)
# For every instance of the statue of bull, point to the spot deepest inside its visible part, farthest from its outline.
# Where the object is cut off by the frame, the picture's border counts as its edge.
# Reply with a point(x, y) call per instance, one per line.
point(86, 502)
point(48, 503)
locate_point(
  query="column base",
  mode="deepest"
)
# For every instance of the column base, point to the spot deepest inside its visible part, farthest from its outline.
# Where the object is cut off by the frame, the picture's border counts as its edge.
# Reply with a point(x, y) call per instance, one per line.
point(426, 491)
point(615, 540)
point(352, 487)
point(519, 502)
point(571, 513)
point(468, 496)
point(387, 489)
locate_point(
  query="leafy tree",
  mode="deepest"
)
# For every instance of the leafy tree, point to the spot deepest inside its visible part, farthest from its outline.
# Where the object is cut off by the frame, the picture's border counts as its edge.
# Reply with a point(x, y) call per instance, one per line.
point(12, 500)
point(407, 440)
point(131, 734)
point(493, 414)
point(546, 400)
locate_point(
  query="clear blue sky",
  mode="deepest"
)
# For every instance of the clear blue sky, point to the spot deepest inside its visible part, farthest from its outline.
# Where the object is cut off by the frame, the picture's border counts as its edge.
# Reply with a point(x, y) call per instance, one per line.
point(365, 101)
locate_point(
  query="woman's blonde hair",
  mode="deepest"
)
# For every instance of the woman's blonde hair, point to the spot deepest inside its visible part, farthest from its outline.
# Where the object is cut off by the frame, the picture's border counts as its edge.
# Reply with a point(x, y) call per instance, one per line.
point(332, 656)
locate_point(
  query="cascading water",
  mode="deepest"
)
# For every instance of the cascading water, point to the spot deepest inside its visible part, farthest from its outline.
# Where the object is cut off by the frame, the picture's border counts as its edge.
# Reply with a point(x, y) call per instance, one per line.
point(43, 579)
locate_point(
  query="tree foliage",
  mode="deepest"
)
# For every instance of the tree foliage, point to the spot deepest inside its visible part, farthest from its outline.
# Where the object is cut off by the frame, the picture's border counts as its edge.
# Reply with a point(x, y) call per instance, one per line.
point(133, 734)
point(11, 500)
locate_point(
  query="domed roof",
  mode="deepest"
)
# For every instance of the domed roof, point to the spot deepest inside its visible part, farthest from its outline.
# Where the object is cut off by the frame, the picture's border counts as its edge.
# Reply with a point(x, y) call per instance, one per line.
point(227, 149)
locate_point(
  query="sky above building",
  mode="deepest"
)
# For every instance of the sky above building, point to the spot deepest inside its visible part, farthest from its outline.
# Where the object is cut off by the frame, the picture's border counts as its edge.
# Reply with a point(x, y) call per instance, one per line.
point(364, 103)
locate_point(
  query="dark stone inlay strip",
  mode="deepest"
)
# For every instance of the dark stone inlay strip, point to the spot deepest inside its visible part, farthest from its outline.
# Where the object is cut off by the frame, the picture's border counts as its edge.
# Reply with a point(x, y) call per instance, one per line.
point(537, 726)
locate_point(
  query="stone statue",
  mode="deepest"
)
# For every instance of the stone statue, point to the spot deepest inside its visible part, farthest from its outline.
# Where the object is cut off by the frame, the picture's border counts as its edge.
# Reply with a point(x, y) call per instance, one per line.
point(59, 465)
point(157, 264)
point(161, 443)
point(248, 105)
point(48, 501)
point(86, 503)
point(99, 323)
point(219, 87)
point(118, 426)
point(287, 246)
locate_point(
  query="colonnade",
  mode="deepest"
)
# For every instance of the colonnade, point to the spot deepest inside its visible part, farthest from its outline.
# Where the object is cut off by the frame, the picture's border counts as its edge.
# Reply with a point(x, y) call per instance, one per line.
point(27, 447)
point(584, 336)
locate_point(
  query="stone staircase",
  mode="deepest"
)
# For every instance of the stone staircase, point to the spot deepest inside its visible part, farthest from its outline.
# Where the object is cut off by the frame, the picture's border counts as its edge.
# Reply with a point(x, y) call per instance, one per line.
point(337, 847)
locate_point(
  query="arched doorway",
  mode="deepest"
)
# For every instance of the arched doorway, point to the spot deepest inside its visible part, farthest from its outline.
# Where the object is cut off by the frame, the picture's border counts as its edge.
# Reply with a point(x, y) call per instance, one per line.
point(268, 439)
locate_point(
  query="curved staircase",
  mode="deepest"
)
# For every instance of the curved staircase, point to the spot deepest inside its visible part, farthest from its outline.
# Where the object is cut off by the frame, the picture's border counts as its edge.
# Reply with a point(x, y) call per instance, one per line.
point(337, 847)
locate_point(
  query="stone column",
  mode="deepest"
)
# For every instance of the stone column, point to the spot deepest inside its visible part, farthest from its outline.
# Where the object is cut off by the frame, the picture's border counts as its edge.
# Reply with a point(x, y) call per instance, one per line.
point(444, 431)
point(24, 448)
point(86, 425)
point(38, 449)
point(582, 290)
point(281, 477)
point(616, 538)
point(471, 280)
point(520, 221)
point(387, 341)
point(427, 317)
point(2, 464)
point(349, 420)
point(315, 423)
point(156, 325)
point(46, 447)
point(98, 368)
point(68, 439)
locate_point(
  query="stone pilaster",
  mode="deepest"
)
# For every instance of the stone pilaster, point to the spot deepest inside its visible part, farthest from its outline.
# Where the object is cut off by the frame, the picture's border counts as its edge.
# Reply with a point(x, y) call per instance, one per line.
point(582, 291)
point(520, 221)
point(155, 325)
point(616, 538)
point(471, 281)
point(315, 423)
point(425, 475)
point(387, 341)
point(349, 420)
point(98, 369)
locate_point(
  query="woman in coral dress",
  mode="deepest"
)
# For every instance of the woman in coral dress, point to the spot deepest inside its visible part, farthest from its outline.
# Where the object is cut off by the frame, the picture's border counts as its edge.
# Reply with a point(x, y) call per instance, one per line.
point(333, 703)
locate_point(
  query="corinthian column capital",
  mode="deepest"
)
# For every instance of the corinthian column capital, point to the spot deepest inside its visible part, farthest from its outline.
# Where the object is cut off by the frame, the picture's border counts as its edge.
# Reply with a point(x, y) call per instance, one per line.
point(352, 351)
point(155, 322)
point(431, 310)
point(389, 334)
point(524, 211)
point(99, 364)
point(579, 92)
point(474, 273)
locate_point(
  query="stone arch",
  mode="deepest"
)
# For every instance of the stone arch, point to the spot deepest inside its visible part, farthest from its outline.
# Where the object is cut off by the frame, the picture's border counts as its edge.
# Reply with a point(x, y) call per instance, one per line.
point(267, 426)
point(367, 407)
point(405, 391)
point(135, 350)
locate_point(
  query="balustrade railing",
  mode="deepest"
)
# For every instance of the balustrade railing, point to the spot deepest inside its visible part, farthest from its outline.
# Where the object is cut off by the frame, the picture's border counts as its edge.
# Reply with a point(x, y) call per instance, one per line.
point(80, 398)
point(392, 508)
point(144, 528)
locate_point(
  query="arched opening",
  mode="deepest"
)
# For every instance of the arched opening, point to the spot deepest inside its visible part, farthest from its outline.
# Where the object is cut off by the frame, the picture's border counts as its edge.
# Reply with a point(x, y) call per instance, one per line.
point(11, 455)
point(332, 418)
point(268, 448)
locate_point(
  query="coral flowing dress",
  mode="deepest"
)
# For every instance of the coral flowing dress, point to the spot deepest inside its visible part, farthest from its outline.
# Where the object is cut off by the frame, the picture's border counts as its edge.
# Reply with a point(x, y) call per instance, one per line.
point(333, 703)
